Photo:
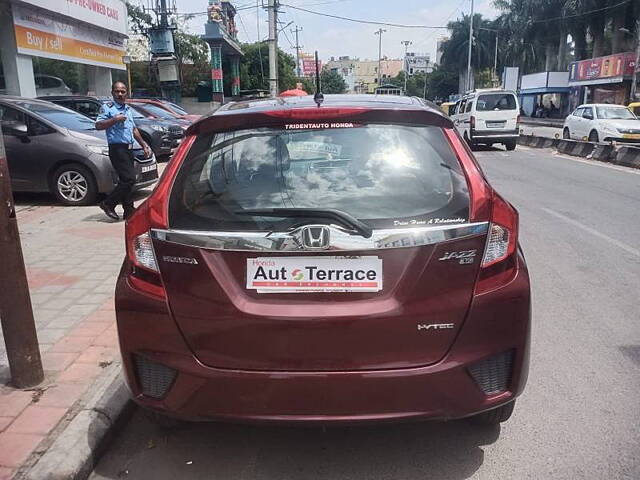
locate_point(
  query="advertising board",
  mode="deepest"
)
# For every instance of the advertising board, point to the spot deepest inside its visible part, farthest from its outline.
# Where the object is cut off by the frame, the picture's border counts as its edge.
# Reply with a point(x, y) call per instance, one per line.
point(41, 34)
point(107, 14)
point(601, 68)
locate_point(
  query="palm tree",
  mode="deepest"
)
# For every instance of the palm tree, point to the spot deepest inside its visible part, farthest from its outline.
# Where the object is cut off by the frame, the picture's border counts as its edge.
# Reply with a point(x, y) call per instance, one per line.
point(455, 50)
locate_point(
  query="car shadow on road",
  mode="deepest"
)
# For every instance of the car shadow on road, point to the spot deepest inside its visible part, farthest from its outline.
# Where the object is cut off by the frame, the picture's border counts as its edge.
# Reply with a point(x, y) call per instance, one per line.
point(439, 450)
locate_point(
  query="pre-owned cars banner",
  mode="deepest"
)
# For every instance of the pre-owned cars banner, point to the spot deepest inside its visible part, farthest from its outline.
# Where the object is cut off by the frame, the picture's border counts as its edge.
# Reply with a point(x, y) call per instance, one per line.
point(42, 35)
point(108, 14)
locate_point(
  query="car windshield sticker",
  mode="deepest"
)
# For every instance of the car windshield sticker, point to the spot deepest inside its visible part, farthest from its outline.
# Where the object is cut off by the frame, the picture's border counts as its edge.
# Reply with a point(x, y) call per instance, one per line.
point(304, 126)
point(315, 147)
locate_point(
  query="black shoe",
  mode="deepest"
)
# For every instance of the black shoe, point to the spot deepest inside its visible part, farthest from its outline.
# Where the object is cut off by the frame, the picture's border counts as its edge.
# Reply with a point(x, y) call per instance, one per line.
point(128, 211)
point(109, 211)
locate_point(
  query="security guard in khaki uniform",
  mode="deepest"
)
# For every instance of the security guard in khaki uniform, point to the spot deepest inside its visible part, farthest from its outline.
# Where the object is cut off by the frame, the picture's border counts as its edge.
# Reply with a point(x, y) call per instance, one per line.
point(117, 119)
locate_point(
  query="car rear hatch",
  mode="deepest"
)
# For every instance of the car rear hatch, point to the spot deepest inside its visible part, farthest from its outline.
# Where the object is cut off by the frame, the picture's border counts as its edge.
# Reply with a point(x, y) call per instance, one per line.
point(320, 246)
point(496, 111)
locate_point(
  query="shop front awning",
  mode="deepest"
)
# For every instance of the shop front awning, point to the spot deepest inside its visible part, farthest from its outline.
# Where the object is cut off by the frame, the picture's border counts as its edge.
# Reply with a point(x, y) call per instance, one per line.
point(543, 90)
point(598, 81)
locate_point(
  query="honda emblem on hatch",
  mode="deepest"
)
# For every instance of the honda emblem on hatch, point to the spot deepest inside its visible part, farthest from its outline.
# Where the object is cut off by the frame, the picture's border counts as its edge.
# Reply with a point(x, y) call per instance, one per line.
point(315, 237)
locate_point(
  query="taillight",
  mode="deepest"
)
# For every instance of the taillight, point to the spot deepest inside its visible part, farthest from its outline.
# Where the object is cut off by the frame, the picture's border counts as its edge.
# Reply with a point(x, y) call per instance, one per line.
point(518, 120)
point(499, 262)
point(144, 275)
point(152, 213)
point(503, 234)
point(472, 121)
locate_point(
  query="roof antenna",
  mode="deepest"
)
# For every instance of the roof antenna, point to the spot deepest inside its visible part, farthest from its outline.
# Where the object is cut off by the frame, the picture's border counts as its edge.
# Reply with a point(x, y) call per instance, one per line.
point(318, 97)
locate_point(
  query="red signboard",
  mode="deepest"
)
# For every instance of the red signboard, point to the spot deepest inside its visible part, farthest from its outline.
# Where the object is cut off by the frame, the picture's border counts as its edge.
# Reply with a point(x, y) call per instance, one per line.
point(309, 67)
point(611, 66)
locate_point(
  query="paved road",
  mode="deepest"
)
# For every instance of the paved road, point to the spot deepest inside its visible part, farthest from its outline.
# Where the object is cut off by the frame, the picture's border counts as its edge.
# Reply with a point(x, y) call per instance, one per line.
point(580, 415)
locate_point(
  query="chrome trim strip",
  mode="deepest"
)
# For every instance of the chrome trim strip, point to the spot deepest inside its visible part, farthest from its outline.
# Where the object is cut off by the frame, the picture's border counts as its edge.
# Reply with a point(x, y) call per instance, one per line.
point(340, 239)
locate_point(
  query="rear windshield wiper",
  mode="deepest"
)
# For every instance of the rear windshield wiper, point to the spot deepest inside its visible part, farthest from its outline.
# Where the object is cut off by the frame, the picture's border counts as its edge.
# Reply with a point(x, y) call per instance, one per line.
point(328, 213)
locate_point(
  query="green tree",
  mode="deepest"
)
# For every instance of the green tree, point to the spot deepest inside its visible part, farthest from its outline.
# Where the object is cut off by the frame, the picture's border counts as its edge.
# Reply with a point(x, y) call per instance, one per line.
point(254, 68)
point(332, 82)
point(455, 50)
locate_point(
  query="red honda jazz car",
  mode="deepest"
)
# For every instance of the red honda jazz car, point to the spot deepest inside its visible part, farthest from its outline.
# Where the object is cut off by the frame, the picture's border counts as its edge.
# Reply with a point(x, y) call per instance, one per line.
point(347, 262)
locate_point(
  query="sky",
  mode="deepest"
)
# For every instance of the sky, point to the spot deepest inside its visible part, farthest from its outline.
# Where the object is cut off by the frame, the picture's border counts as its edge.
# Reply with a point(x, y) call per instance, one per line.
point(332, 37)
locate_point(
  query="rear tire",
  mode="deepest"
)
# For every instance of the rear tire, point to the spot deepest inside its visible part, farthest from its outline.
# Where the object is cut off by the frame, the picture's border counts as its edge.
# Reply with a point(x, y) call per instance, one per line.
point(495, 416)
point(593, 136)
point(566, 135)
point(466, 139)
point(510, 145)
point(74, 184)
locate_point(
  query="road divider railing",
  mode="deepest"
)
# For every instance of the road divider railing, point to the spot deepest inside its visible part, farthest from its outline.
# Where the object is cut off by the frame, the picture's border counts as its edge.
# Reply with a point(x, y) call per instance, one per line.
point(628, 156)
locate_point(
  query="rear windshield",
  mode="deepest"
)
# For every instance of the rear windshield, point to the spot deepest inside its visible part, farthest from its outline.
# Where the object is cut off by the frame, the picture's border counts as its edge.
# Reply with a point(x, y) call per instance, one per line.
point(496, 101)
point(387, 176)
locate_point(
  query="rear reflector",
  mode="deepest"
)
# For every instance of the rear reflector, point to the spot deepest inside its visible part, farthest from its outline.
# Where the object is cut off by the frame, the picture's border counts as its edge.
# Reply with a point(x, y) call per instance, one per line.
point(493, 375)
point(154, 378)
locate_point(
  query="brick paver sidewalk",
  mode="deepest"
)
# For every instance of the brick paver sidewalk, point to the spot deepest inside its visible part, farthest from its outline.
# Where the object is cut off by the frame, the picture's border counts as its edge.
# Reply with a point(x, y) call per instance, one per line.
point(73, 255)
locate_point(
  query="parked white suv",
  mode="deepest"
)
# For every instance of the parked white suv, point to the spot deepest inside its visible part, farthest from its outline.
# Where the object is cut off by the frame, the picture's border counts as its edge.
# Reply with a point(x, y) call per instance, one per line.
point(487, 117)
point(601, 122)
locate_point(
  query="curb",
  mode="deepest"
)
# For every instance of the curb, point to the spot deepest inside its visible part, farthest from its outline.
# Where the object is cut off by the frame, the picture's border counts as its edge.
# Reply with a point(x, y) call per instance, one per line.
point(626, 156)
point(75, 451)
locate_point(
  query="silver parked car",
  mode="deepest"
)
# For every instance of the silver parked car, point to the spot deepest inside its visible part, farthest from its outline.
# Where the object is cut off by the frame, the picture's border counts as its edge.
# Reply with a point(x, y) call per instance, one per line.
point(53, 149)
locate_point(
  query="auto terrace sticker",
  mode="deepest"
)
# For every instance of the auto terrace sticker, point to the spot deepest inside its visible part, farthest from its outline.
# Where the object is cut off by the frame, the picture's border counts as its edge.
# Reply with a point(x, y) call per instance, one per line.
point(314, 274)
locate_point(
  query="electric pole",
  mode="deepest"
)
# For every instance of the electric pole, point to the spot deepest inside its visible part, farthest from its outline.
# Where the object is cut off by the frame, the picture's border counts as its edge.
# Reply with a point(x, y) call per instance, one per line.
point(634, 78)
point(379, 32)
point(298, 47)
point(16, 314)
point(470, 46)
point(273, 47)
point(406, 44)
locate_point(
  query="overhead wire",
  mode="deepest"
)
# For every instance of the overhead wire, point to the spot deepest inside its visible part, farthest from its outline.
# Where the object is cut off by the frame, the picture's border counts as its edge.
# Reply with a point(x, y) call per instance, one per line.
point(355, 20)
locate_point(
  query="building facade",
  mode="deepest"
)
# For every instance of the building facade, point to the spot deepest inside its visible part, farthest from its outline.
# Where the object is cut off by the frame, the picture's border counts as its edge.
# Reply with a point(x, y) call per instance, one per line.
point(361, 76)
point(602, 79)
point(417, 63)
point(91, 35)
point(221, 33)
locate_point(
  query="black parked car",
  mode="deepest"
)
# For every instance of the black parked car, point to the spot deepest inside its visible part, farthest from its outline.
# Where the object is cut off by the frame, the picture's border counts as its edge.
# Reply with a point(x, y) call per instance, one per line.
point(163, 136)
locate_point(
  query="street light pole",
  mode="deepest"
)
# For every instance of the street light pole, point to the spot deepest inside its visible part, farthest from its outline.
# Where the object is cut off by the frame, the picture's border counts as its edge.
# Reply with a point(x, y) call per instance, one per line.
point(470, 46)
point(379, 32)
point(406, 44)
point(495, 60)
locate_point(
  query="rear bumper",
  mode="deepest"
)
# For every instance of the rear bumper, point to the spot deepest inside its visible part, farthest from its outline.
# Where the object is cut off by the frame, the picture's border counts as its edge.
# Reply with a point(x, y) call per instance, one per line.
point(498, 322)
point(495, 136)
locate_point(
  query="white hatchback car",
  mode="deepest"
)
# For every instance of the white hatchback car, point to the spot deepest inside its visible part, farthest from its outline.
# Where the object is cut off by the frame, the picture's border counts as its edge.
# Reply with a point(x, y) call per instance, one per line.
point(601, 122)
